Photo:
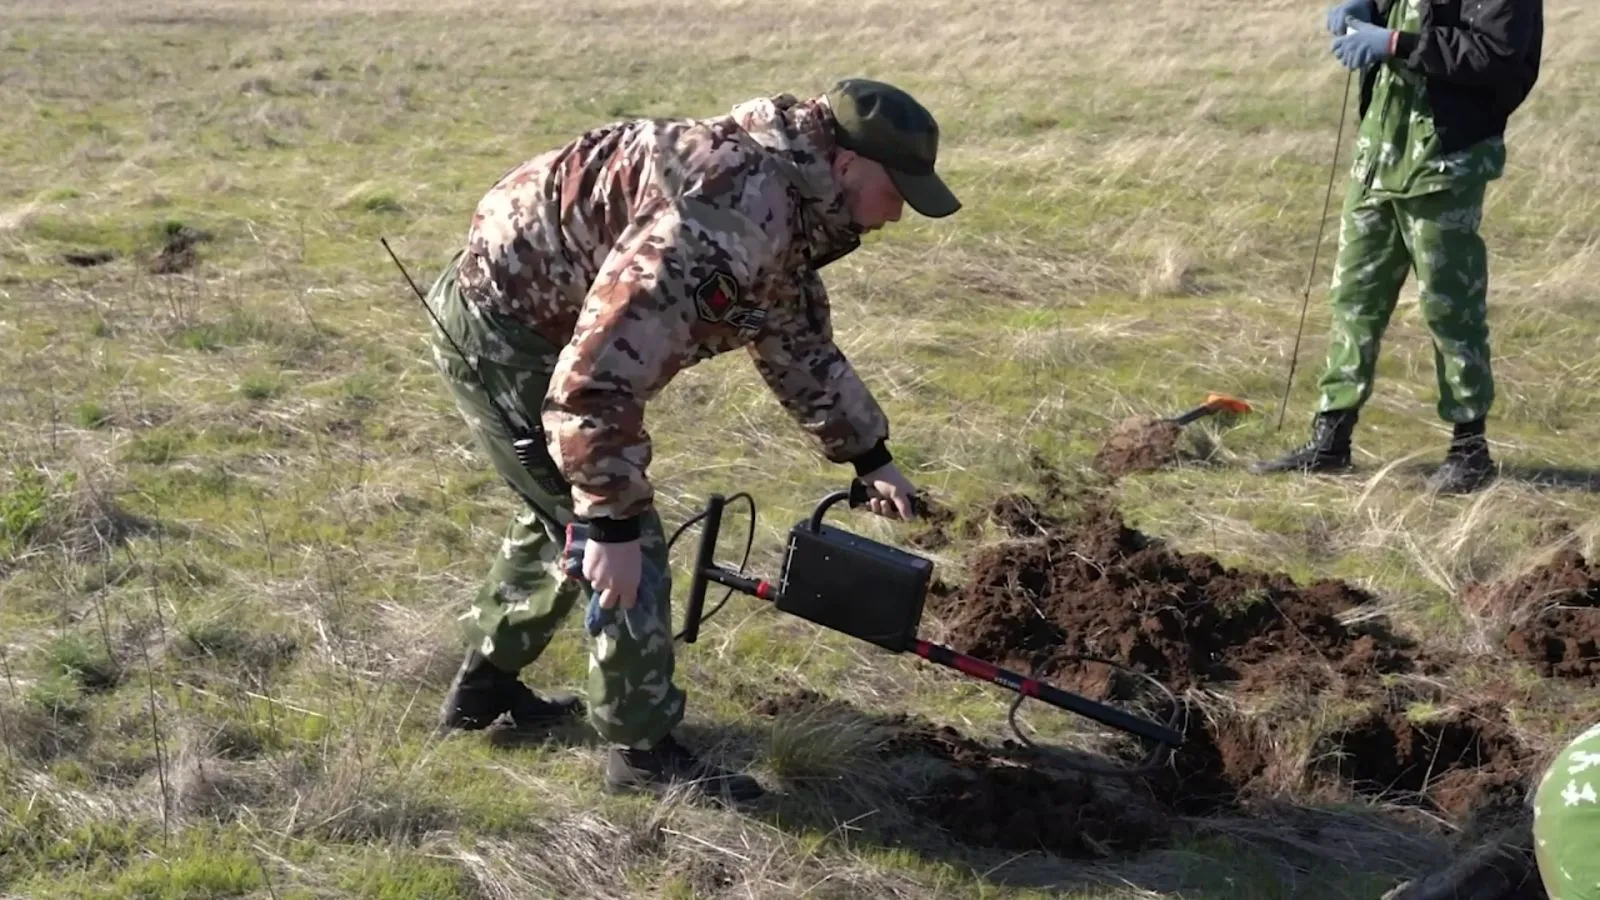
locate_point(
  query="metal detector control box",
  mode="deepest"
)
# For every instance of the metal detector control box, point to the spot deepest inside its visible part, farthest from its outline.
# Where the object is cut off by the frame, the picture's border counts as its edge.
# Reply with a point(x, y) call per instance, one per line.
point(847, 583)
point(874, 593)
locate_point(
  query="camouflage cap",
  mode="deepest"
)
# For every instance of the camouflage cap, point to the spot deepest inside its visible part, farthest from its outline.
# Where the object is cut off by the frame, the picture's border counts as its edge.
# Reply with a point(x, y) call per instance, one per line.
point(886, 125)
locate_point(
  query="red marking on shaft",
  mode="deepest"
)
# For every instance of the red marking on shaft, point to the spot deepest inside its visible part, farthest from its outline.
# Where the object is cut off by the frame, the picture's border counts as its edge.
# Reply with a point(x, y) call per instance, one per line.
point(764, 590)
point(976, 667)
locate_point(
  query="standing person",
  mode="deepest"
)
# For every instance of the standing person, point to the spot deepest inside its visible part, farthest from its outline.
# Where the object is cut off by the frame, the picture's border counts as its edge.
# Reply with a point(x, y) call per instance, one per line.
point(1439, 80)
point(594, 273)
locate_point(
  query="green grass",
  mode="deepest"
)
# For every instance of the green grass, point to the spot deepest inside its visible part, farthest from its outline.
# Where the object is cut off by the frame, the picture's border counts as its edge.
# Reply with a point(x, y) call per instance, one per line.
point(238, 512)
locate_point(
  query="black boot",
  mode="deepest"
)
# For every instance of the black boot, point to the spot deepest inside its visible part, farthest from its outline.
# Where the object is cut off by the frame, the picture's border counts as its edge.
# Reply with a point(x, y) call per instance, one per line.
point(1467, 466)
point(482, 693)
point(669, 764)
point(1327, 451)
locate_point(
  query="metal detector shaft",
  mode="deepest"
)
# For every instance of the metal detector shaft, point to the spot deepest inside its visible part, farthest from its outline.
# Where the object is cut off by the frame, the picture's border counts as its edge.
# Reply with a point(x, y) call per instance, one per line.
point(707, 571)
point(703, 566)
point(1048, 693)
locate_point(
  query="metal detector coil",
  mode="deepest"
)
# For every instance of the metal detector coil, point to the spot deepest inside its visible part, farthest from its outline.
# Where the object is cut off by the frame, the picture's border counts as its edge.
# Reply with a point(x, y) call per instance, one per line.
point(874, 593)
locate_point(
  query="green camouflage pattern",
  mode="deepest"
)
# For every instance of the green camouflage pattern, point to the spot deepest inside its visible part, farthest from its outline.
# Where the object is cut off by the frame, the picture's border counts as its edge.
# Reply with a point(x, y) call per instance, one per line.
point(1380, 241)
point(1566, 821)
point(1411, 208)
point(1397, 151)
point(644, 247)
point(526, 596)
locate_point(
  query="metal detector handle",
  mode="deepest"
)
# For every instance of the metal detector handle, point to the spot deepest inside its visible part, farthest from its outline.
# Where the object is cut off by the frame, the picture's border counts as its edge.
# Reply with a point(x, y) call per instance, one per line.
point(704, 562)
point(1049, 693)
point(857, 497)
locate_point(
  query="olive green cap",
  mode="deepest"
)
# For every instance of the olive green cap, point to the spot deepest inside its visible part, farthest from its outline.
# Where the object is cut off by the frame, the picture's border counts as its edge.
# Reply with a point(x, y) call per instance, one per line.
point(889, 127)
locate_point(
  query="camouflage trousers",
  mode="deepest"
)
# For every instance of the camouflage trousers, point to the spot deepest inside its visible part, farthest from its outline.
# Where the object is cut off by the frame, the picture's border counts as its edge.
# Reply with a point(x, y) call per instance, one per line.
point(1566, 821)
point(1380, 241)
point(526, 597)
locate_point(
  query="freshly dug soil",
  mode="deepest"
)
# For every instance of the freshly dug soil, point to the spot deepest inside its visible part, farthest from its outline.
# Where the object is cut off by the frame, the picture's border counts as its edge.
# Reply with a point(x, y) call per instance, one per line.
point(983, 798)
point(1089, 586)
point(1463, 763)
point(180, 251)
point(1137, 445)
point(1106, 590)
point(1093, 587)
point(1012, 807)
point(1561, 638)
point(1220, 763)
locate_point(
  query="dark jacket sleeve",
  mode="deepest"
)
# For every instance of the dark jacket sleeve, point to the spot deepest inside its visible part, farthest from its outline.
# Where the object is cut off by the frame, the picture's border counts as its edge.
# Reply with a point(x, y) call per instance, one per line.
point(1488, 46)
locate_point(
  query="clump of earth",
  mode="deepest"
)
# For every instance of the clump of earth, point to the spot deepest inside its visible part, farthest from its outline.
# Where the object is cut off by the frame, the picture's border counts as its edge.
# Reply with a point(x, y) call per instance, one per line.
point(1059, 589)
point(1138, 445)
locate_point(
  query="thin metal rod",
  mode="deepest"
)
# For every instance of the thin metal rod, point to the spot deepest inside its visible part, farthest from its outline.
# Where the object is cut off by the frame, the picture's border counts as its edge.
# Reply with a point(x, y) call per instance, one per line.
point(1316, 252)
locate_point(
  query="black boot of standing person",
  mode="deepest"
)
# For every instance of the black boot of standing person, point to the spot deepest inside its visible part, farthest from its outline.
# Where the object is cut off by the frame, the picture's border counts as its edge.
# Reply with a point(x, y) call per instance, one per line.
point(1467, 465)
point(1328, 450)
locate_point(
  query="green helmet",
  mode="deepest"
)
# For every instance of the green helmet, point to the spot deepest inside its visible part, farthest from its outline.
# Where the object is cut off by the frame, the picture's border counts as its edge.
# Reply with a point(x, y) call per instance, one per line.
point(889, 127)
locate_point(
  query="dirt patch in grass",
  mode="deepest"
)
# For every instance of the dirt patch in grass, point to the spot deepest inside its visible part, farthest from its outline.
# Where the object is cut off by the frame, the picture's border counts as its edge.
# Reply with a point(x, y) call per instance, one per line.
point(1138, 445)
point(1102, 589)
point(1561, 634)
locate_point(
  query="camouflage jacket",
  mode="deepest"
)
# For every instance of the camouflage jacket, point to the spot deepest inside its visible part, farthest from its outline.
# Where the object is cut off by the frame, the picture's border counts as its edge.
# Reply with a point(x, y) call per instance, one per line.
point(644, 247)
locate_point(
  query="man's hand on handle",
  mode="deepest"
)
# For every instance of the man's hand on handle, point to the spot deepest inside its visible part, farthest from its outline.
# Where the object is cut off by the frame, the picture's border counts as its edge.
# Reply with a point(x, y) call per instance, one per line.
point(890, 494)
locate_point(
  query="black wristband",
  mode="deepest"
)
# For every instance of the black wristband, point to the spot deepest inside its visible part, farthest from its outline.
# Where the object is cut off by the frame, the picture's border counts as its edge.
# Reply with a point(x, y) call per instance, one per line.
point(873, 459)
point(605, 530)
point(1405, 44)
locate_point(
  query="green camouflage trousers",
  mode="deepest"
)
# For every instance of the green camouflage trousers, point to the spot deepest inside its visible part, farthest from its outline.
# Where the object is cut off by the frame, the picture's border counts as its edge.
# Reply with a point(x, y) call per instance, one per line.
point(525, 597)
point(1380, 241)
point(1566, 821)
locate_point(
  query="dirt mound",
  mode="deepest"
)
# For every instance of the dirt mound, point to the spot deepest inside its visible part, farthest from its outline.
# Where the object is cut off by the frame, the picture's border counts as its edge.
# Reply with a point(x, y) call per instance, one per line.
point(180, 251)
point(1466, 766)
point(1561, 636)
point(1067, 593)
point(1314, 711)
point(1138, 445)
point(1461, 763)
point(983, 796)
point(1103, 589)
point(1221, 762)
point(934, 523)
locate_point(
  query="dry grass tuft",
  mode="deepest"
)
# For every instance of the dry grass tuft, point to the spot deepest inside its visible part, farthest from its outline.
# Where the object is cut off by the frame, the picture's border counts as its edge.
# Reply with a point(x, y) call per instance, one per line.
point(73, 513)
point(578, 855)
point(347, 796)
point(819, 744)
point(208, 781)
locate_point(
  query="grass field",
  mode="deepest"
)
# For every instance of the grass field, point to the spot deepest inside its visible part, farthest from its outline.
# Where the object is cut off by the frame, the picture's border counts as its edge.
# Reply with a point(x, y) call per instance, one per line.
point(238, 513)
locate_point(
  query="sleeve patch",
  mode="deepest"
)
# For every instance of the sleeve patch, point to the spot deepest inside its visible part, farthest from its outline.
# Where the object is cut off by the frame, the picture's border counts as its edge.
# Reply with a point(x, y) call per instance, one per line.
point(717, 299)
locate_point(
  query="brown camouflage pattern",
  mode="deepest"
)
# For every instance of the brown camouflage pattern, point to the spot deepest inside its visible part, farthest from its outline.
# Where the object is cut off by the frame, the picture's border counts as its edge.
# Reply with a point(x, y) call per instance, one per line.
point(611, 247)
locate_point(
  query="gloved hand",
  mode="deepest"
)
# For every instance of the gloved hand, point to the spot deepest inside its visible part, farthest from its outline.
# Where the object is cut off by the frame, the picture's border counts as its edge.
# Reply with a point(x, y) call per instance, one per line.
point(1360, 10)
point(890, 492)
point(633, 584)
point(1364, 45)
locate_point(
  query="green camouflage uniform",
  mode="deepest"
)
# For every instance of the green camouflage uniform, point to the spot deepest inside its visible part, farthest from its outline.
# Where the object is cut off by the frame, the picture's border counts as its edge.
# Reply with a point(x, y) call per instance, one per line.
point(593, 274)
point(1409, 205)
point(1566, 823)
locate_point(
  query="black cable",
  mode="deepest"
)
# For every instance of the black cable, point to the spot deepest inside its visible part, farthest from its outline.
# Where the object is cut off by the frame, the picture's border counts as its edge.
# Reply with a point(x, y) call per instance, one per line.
point(1152, 763)
point(749, 542)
